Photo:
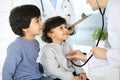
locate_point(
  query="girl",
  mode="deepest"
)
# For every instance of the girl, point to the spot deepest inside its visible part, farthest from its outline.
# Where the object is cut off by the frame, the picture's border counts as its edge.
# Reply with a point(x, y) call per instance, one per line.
point(54, 60)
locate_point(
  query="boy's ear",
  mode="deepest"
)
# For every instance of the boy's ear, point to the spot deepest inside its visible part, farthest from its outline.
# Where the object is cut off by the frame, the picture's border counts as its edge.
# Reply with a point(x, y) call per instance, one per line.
point(50, 34)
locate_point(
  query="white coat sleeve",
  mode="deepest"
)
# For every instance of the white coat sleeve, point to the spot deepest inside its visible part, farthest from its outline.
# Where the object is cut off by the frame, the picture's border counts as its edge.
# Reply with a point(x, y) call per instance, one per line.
point(113, 54)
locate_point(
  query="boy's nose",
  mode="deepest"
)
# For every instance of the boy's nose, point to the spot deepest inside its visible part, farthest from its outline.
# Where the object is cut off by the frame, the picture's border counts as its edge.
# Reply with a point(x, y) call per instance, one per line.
point(41, 24)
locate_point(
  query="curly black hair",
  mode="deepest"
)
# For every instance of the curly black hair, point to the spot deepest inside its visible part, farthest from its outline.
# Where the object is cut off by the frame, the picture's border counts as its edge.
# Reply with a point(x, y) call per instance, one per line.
point(49, 24)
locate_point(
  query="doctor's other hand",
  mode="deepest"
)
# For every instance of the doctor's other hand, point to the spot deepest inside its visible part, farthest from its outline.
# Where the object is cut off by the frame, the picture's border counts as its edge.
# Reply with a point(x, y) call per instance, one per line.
point(71, 30)
point(76, 55)
point(99, 53)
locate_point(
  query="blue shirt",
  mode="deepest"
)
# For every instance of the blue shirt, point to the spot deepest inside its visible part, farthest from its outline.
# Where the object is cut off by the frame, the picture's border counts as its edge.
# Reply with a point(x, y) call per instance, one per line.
point(20, 63)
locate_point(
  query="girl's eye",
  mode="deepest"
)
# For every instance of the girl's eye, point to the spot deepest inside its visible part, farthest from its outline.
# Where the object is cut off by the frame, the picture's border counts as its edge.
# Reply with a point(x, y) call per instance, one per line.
point(66, 27)
point(61, 28)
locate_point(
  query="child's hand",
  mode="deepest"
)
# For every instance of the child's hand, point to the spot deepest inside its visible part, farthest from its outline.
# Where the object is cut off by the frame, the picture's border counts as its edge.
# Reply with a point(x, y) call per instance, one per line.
point(76, 78)
point(83, 76)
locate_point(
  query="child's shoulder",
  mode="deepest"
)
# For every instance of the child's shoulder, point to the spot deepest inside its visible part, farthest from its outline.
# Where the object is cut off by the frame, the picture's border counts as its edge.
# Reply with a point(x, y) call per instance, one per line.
point(49, 45)
point(14, 44)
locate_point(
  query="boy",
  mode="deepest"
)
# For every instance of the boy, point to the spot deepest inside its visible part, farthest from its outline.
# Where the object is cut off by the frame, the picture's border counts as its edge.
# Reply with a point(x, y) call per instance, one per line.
point(20, 63)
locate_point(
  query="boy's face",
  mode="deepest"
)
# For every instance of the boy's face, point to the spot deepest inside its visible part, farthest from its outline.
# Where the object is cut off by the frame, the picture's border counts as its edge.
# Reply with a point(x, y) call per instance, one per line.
point(59, 33)
point(36, 26)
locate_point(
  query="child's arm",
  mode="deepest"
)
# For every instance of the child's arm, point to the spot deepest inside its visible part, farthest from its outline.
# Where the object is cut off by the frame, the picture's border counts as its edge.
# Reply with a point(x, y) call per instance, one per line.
point(10, 64)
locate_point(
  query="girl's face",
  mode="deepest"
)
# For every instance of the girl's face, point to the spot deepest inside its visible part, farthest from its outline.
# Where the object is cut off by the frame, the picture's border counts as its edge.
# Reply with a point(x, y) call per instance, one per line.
point(35, 27)
point(59, 33)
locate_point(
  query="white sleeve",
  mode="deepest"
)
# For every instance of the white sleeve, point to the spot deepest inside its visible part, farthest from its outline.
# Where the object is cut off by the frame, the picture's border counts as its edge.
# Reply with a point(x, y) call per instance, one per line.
point(113, 57)
point(113, 54)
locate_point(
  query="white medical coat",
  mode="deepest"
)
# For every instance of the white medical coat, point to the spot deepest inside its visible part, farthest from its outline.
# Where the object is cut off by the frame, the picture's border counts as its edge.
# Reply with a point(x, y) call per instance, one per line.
point(50, 11)
point(113, 15)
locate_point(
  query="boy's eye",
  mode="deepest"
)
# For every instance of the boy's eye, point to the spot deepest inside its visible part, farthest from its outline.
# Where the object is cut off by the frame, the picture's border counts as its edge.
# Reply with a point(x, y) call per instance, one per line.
point(37, 21)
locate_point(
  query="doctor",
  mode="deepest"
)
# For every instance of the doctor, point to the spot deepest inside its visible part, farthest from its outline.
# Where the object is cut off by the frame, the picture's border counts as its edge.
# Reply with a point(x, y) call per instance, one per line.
point(63, 8)
point(112, 55)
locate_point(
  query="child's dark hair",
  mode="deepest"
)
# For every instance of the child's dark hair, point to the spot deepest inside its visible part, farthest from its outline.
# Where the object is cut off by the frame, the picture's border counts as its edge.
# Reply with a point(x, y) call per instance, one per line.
point(49, 24)
point(20, 17)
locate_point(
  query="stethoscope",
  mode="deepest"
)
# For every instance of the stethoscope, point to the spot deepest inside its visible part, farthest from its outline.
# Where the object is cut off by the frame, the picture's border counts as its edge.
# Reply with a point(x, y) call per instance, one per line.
point(102, 16)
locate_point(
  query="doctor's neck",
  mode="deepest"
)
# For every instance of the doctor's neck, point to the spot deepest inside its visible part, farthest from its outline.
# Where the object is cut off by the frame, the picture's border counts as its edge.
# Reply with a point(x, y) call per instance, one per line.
point(102, 3)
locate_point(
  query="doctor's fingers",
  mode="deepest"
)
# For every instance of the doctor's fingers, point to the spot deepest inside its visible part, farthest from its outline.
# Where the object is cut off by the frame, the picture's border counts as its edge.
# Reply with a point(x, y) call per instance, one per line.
point(74, 52)
point(93, 49)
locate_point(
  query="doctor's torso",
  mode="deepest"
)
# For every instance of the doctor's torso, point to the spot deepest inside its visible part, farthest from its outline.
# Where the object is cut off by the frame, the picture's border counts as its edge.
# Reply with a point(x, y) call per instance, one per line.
point(63, 8)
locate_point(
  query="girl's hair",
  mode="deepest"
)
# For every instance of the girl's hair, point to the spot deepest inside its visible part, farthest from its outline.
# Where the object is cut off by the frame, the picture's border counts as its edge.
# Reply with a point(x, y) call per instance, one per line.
point(20, 17)
point(49, 24)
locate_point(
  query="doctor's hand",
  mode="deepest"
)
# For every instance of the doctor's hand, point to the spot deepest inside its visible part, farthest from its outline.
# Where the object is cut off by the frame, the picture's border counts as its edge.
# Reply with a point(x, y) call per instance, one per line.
point(76, 55)
point(71, 30)
point(99, 53)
